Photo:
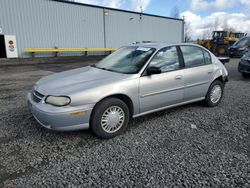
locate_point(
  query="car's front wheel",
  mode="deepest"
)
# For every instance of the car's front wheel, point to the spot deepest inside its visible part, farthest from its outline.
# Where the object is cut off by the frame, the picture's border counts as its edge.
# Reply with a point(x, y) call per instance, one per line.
point(110, 118)
point(214, 94)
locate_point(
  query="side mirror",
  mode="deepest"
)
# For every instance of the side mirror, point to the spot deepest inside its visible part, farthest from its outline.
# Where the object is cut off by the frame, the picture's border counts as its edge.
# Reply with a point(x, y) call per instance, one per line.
point(153, 70)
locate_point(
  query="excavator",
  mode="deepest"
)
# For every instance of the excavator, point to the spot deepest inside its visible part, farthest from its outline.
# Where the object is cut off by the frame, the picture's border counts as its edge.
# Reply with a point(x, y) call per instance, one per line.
point(220, 42)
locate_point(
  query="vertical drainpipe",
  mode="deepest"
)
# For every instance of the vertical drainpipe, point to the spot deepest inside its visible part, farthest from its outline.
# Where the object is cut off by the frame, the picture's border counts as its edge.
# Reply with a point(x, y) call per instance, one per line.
point(104, 28)
point(183, 30)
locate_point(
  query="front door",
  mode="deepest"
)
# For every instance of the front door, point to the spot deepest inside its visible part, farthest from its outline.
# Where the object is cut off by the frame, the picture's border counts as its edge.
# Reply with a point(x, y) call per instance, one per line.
point(164, 89)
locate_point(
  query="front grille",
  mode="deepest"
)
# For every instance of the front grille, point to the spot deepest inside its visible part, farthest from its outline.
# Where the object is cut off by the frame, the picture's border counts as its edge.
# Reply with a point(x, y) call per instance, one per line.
point(36, 96)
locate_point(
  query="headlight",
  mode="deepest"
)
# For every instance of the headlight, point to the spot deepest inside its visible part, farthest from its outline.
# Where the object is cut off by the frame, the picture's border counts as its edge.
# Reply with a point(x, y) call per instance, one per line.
point(57, 100)
point(245, 57)
point(241, 49)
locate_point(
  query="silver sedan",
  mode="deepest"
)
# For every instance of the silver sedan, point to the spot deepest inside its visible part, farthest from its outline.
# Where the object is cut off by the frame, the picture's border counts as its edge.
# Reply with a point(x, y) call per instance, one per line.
point(133, 81)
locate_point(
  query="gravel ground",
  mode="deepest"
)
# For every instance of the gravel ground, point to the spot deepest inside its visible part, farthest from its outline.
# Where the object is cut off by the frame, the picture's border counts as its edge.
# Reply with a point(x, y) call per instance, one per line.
point(189, 146)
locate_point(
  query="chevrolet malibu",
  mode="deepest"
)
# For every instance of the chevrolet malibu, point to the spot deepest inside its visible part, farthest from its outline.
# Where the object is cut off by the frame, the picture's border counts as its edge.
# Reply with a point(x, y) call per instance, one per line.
point(133, 81)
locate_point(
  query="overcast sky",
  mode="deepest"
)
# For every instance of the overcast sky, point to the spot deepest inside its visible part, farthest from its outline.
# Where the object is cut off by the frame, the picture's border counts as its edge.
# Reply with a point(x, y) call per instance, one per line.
point(203, 15)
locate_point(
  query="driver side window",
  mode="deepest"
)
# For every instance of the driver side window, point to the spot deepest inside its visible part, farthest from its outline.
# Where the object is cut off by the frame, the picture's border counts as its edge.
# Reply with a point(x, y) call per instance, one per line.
point(166, 59)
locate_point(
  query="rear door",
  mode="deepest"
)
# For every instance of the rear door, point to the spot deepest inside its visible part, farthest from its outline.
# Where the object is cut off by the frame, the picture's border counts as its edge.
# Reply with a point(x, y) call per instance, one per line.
point(197, 73)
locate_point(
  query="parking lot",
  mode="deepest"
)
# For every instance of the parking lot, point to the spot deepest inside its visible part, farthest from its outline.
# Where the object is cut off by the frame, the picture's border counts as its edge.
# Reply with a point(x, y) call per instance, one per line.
point(188, 146)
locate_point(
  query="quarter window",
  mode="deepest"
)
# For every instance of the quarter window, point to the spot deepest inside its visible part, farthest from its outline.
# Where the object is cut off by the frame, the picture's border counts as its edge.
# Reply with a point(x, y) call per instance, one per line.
point(166, 59)
point(207, 57)
point(193, 56)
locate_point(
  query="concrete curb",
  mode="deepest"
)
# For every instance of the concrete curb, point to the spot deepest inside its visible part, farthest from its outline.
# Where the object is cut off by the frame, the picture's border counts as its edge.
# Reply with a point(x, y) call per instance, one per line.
point(49, 60)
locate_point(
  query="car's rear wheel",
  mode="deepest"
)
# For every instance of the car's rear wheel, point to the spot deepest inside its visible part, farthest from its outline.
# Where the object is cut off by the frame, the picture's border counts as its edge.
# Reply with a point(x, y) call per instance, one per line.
point(110, 118)
point(214, 94)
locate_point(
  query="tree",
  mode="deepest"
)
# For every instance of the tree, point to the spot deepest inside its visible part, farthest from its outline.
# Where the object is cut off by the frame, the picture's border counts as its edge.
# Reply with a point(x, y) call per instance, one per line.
point(187, 31)
point(207, 34)
point(227, 28)
point(175, 13)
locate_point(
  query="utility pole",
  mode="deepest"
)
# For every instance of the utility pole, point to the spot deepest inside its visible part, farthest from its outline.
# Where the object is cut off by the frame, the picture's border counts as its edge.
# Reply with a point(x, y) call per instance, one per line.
point(141, 12)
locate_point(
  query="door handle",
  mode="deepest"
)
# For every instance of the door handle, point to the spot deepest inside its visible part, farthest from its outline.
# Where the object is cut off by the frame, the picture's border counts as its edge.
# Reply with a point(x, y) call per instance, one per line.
point(178, 77)
point(210, 71)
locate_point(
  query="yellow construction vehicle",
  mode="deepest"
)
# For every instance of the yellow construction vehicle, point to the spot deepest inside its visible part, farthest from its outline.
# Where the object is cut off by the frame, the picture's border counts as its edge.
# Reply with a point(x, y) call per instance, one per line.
point(239, 35)
point(220, 42)
point(233, 37)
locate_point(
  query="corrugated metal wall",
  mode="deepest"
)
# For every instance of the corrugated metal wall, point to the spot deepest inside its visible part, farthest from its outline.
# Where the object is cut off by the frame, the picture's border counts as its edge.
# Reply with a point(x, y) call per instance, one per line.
point(124, 28)
point(48, 23)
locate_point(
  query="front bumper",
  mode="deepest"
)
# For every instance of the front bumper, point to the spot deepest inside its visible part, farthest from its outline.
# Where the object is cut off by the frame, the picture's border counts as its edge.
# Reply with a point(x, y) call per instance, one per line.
point(244, 67)
point(60, 118)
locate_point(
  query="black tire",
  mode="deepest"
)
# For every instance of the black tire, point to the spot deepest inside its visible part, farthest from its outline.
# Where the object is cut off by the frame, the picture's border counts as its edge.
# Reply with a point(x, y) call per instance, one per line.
point(245, 75)
point(98, 112)
point(208, 99)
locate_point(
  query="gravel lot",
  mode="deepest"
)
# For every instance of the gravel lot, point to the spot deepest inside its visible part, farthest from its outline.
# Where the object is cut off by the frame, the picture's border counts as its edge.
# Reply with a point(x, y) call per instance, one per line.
point(189, 146)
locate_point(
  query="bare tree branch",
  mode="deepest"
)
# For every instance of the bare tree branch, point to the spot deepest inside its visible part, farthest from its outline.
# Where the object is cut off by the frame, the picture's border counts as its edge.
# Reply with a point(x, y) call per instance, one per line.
point(175, 13)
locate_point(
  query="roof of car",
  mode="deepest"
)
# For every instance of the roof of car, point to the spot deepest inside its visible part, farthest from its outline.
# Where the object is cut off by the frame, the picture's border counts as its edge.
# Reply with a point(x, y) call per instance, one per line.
point(158, 45)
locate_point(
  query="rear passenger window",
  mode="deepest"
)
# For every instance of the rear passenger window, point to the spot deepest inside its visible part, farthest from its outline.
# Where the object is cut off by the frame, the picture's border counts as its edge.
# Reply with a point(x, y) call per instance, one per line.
point(193, 56)
point(207, 57)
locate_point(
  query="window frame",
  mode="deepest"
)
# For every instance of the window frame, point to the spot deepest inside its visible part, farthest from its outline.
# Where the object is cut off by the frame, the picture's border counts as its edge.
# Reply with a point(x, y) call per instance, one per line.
point(179, 55)
point(202, 50)
point(205, 51)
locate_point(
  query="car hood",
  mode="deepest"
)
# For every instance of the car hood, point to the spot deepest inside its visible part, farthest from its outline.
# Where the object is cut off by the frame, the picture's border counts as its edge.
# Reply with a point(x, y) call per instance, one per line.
point(68, 82)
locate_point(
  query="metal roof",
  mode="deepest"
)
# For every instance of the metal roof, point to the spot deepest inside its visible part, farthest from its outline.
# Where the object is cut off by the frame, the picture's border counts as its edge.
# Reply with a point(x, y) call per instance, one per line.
point(121, 10)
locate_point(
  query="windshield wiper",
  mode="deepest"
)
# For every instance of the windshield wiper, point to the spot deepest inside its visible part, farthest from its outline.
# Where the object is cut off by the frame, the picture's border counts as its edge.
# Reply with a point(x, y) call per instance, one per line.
point(102, 68)
point(106, 69)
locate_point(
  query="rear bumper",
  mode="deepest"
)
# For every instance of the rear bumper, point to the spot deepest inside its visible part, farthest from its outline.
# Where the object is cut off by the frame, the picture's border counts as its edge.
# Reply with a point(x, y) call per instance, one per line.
point(60, 118)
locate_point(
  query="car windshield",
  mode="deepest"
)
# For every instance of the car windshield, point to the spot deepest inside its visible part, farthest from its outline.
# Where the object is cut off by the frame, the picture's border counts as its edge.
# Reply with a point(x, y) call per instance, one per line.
point(127, 60)
point(242, 42)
